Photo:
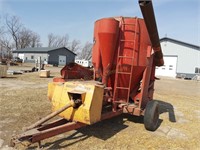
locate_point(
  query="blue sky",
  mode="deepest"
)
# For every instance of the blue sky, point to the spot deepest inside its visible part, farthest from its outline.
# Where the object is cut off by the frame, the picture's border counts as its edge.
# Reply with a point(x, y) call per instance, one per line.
point(178, 19)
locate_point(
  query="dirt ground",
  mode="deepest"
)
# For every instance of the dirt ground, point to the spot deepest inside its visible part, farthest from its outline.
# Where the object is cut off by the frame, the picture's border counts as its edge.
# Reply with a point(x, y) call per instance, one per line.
point(23, 101)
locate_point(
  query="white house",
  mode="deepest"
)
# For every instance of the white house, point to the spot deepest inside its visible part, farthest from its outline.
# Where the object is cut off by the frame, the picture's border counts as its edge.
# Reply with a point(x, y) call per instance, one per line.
point(181, 59)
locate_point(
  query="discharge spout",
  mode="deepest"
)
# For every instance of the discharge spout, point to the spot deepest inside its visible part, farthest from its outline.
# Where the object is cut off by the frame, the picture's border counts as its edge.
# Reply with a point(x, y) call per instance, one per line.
point(150, 21)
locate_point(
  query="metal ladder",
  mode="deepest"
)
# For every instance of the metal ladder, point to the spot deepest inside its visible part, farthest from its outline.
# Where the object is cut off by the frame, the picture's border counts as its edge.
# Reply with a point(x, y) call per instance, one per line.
point(121, 57)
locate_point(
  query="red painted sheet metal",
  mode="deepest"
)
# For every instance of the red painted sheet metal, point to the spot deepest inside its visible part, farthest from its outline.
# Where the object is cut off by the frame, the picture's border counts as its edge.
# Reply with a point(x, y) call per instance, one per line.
point(108, 41)
point(139, 48)
point(76, 71)
point(108, 35)
point(96, 56)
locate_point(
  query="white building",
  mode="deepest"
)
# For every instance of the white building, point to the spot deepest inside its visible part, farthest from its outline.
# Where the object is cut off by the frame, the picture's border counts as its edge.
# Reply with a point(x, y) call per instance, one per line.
point(83, 62)
point(181, 59)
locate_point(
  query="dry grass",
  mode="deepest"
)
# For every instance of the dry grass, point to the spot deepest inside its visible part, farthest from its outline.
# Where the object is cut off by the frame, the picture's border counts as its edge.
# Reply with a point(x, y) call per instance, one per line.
point(24, 100)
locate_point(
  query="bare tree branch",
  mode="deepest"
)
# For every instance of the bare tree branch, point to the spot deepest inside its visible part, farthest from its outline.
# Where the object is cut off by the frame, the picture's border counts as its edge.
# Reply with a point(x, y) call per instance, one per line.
point(86, 51)
point(75, 46)
point(5, 43)
point(58, 41)
point(15, 36)
point(6, 46)
point(24, 38)
point(28, 38)
point(2, 30)
point(14, 26)
point(51, 39)
point(35, 40)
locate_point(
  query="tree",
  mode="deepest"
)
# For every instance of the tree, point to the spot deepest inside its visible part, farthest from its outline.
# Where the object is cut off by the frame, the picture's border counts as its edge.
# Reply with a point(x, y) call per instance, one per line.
point(35, 40)
point(5, 42)
point(75, 46)
point(14, 27)
point(1, 28)
point(58, 41)
point(63, 41)
point(14, 35)
point(28, 38)
point(86, 51)
point(6, 46)
point(1, 35)
point(22, 36)
point(51, 39)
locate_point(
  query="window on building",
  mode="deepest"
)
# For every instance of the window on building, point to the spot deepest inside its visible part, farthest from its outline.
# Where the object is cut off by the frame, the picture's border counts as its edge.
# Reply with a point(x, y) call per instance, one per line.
point(26, 58)
point(32, 57)
point(197, 70)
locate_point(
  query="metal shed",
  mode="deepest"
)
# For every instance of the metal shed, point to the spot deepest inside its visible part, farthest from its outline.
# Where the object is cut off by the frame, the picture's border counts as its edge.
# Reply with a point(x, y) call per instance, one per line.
point(54, 56)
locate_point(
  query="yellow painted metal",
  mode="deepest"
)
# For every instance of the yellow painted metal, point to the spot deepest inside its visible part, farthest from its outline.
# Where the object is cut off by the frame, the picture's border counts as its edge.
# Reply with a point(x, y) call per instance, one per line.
point(91, 94)
point(51, 88)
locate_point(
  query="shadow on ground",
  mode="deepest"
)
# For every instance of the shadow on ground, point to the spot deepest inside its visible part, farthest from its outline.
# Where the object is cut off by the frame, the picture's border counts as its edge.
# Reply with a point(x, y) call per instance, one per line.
point(9, 77)
point(107, 128)
point(102, 130)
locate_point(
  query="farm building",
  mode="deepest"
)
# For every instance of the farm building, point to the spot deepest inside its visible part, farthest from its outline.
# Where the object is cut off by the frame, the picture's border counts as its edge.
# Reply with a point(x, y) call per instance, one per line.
point(54, 56)
point(181, 59)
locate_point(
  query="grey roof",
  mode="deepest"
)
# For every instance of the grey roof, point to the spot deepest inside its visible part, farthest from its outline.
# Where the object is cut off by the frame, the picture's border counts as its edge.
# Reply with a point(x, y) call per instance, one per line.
point(39, 50)
point(180, 42)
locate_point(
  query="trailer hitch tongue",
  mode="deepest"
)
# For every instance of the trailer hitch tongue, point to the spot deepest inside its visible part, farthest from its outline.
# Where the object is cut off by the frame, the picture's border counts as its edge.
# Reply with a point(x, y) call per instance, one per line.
point(72, 103)
point(26, 137)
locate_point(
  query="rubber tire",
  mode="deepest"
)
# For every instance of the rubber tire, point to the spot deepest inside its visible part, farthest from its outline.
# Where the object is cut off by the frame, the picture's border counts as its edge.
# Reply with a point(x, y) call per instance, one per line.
point(151, 115)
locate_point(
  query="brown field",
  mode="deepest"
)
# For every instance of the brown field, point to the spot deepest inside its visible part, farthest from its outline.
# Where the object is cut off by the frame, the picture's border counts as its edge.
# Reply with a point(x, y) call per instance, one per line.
point(23, 101)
